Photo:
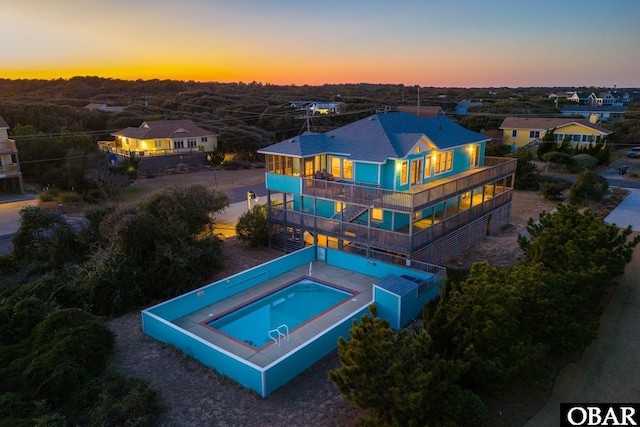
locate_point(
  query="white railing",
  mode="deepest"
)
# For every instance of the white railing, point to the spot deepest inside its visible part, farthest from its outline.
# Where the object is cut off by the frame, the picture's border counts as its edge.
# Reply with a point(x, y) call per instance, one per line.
point(279, 334)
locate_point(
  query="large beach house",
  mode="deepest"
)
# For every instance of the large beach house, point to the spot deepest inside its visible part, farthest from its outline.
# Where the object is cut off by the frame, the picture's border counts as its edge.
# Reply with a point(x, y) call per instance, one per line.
point(388, 186)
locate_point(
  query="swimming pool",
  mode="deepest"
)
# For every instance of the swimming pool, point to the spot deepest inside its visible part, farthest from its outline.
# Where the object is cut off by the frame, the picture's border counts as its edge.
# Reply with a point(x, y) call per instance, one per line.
point(270, 317)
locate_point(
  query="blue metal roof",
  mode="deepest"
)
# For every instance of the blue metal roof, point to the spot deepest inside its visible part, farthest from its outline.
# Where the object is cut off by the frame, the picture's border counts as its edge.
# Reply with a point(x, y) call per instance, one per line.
point(378, 138)
point(396, 285)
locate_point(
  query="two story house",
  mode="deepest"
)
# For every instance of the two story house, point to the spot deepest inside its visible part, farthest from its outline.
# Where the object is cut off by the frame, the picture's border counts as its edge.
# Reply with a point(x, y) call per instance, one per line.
point(519, 132)
point(10, 175)
point(418, 188)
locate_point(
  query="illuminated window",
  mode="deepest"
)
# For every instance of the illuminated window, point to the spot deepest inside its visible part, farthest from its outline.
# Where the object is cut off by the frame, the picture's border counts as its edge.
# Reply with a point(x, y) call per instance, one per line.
point(427, 166)
point(444, 162)
point(403, 173)
point(475, 155)
point(347, 169)
point(158, 143)
point(376, 214)
point(335, 167)
point(416, 171)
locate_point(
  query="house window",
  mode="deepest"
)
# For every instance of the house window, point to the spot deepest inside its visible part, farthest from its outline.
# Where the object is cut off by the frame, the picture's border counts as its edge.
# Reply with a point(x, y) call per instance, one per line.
point(403, 173)
point(376, 214)
point(427, 166)
point(514, 133)
point(191, 142)
point(347, 169)
point(178, 143)
point(576, 138)
point(534, 134)
point(444, 162)
point(475, 155)
point(204, 139)
point(585, 138)
point(335, 167)
point(158, 143)
point(416, 172)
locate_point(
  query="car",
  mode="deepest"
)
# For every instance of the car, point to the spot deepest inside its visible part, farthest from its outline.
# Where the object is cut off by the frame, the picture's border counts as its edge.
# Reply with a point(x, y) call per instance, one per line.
point(634, 153)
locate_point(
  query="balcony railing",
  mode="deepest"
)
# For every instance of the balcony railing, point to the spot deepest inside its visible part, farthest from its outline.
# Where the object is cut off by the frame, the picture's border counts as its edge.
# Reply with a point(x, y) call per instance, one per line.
point(7, 146)
point(111, 148)
point(10, 170)
point(495, 168)
point(395, 241)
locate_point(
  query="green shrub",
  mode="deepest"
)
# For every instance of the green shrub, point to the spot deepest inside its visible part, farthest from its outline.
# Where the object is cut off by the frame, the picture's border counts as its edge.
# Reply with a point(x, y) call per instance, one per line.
point(558, 158)
point(582, 162)
point(49, 194)
point(526, 175)
point(126, 402)
point(252, 227)
point(552, 190)
point(69, 197)
point(588, 186)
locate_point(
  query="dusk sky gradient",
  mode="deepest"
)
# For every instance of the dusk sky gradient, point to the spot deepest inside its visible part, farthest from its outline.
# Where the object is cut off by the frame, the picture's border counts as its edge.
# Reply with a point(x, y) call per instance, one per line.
point(449, 43)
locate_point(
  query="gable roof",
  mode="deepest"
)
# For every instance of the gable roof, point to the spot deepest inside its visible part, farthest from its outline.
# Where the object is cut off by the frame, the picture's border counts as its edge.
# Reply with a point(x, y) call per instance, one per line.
point(423, 111)
point(378, 138)
point(155, 129)
point(544, 123)
point(465, 103)
point(3, 124)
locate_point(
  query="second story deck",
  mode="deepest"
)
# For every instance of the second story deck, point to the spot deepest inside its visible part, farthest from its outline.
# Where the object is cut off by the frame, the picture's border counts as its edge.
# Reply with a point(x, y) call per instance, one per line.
point(416, 198)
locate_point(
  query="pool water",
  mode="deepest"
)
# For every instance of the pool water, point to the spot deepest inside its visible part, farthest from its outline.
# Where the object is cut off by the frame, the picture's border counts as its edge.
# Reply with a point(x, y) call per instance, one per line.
point(292, 306)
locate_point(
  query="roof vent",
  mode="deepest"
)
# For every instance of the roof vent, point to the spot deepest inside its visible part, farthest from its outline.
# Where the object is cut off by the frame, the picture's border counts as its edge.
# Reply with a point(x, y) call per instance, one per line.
point(292, 140)
point(372, 118)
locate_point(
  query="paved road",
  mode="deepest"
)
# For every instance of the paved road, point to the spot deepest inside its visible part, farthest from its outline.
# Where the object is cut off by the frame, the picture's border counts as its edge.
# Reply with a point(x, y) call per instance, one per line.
point(240, 194)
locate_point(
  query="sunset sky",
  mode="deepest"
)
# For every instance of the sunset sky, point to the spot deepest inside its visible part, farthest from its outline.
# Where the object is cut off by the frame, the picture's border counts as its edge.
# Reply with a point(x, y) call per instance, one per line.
point(454, 43)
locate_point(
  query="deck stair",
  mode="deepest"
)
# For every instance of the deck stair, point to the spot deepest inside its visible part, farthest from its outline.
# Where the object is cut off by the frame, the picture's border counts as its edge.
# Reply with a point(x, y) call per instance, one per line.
point(350, 213)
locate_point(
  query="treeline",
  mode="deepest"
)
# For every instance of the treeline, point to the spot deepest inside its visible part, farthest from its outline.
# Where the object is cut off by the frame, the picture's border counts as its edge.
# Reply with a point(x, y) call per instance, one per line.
point(494, 328)
point(58, 282)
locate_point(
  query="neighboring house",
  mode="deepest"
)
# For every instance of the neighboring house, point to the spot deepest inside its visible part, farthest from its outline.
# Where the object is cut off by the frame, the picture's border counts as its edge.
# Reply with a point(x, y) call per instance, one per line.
point(609, 99)
point(519, 132)
point(625, 98)
point(319, 107)
point(422, 110)
point(10, 175)
point(326, 107)
point(584, 98)
point(595, 113)
point(103, 107)
point(418, 188)
point(161, 137)
point(463, 107)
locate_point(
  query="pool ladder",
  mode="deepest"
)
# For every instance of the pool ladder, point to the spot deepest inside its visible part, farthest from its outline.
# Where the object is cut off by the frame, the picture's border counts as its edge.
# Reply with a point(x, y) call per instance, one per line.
point(276, 334)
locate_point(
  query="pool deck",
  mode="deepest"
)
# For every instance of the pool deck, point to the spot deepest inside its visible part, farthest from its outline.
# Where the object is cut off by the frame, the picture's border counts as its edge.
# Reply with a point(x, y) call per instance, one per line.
point(360, 284)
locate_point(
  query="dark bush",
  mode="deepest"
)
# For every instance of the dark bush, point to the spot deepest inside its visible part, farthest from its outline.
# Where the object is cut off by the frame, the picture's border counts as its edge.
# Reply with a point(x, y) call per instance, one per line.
point(552, 190)
point(526, 175)
point(562, 159)
point(589, 186)
point(252, 226)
